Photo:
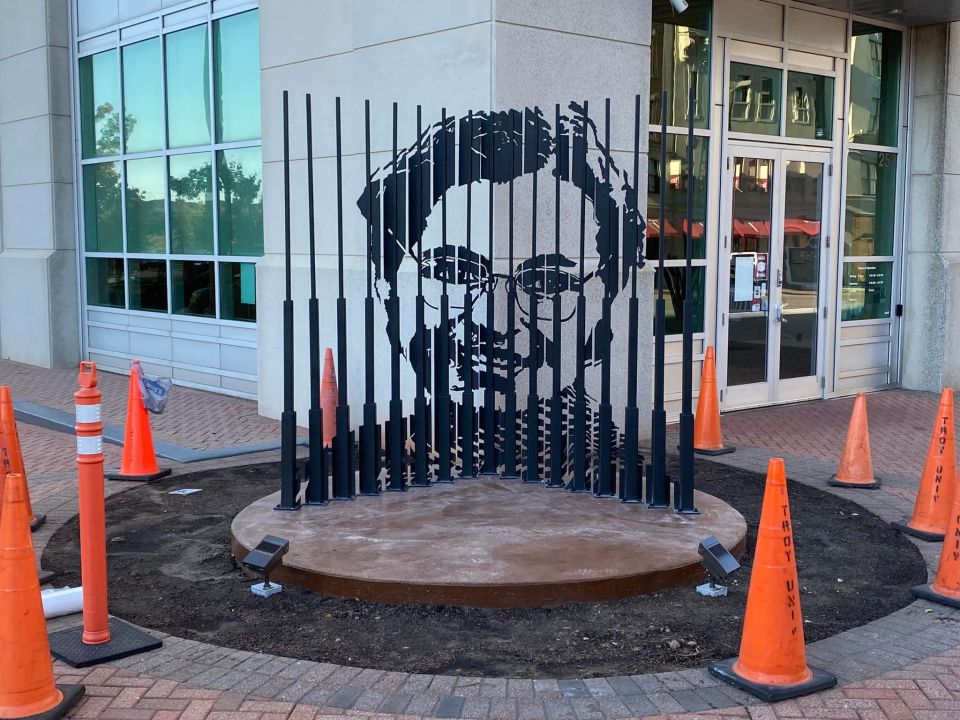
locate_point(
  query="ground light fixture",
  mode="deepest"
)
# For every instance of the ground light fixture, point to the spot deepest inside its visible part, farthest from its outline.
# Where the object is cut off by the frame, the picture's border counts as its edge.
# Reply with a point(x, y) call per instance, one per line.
point(263, 559)
point(719, 564)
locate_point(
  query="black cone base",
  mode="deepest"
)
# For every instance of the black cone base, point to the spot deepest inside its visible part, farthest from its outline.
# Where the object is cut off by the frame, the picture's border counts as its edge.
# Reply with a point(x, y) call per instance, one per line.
point(116, 475)
point(921, 534)
point(125, 640)
point(855, 486)
point(45, 576)
point(726, 449)
point(38, 521)
point(821, 680)
point(71, 696)
point(927, 593)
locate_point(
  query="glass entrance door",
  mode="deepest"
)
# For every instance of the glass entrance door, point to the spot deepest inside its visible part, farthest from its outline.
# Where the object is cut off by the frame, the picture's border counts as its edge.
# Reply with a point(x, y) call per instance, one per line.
point(770, 325)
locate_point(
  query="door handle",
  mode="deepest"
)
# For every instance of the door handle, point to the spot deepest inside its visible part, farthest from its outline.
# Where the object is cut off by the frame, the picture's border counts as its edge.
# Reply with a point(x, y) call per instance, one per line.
point(779, 313)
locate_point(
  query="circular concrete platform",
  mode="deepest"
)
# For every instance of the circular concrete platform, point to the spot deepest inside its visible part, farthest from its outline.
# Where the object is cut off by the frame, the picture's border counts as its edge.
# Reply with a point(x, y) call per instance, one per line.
point(487, 543)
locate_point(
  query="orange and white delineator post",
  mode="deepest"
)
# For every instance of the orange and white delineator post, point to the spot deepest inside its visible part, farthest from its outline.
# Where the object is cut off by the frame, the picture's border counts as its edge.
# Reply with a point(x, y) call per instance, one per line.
point(93, 531)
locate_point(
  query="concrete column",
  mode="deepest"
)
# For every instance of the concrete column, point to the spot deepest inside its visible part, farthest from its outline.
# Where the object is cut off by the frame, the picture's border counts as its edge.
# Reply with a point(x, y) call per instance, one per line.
point(38, 286)
point(932, 303)
point(465, 55)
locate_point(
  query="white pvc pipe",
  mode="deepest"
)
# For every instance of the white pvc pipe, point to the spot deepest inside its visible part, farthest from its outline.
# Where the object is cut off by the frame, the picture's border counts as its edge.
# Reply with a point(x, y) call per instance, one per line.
point(62, 601)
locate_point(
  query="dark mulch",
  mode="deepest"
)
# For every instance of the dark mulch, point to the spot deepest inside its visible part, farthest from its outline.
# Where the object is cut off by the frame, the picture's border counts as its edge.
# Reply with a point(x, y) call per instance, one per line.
point(171, 570)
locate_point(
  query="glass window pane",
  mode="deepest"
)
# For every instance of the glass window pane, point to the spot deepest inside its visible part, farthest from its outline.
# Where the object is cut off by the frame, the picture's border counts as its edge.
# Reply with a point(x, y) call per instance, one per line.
point(674, 287)
point(680, 59)
point(142, 97)
point(148, 285)
point(675, 198)
point(236, 50)
point(238, 291)
point(105, 282)
point(871, 203)
point(102, 212)
point(99, 105)
point(188, 87)
point(866, 290)
point(755, 99)
point(810, 106)
point(875, 84)
point(239, 180)
point(146, 231)
point(191, 204)
point(192, 287)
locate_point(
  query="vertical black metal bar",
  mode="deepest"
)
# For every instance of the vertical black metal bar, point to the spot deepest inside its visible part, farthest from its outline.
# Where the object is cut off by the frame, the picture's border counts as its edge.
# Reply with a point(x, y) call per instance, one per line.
point(395, 440)
point(557, 451)
point(343, 481)
point(510, 397)
point(578, 483)
point(683, 498)
point(604, 486)
point(489, 466)
point(658, 488)
point(420, 478)
point(532, 469)
point(289, 475)
point(629, 483)
point(369, 448)
point(442, 422)
point(317, 493)
point(466, 427)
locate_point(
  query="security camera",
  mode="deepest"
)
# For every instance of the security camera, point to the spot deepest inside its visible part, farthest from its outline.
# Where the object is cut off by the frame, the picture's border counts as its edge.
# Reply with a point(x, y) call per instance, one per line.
point(679, 5)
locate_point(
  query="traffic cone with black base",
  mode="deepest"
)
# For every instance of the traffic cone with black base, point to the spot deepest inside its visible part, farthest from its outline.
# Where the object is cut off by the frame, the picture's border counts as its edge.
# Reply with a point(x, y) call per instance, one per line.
point(27, 688)
point(945, 588)
point(139, 463)
point(856, 464)
point(11, 439)
point(773, 661)
point(707, 438)
point(931, 512)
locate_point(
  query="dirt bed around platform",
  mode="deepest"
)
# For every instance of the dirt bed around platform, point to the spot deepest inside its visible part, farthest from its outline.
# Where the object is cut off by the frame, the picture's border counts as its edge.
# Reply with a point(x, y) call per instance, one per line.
point(170, 569)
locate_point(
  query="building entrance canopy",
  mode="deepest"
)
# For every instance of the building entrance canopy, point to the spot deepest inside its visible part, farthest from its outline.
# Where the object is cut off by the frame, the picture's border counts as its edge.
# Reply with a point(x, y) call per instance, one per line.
point(905, 12)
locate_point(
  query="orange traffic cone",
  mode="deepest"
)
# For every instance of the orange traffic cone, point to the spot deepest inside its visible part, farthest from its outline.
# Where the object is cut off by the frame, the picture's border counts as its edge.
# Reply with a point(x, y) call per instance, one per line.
point(856, 465)
point(139, 461)
point(707, 439)
point(27, 688)
point(12, 443)
point(773, 660)
point(946, 585)
point(328, 399)
point(935, 496)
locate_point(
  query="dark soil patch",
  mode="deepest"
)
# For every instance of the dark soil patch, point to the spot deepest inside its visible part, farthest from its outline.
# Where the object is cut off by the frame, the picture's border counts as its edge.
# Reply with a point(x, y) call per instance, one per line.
point(171, 570)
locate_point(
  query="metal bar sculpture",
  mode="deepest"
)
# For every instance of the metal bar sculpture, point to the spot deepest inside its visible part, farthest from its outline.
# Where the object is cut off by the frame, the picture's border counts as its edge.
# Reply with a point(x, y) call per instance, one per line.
point(289, 475)
point(532, 469)
point(442, 422)
point(395, 439)
point(370, 430)
point(629, 480)
point(604, 485)
point(658, 489)
point(343, 475)
point(683, 498)
point(317, 490)
point(420, 478)
point(557, 450)
point(489, 466)
point(579, 482)
point(466, 424)
point(510, 397)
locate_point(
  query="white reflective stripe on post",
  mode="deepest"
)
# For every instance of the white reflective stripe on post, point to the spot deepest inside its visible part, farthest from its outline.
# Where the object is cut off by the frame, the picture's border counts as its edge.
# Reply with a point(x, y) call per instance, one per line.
point(91, 445)
point(88, 413)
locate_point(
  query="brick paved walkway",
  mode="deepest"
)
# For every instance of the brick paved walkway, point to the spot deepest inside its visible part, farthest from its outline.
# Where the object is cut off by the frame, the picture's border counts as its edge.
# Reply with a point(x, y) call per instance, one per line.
point(901, 667)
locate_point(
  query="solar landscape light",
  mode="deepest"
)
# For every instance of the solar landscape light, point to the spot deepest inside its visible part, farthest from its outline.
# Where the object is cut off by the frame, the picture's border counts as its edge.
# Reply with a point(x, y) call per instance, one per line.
point(263, 559)
point(719, 564)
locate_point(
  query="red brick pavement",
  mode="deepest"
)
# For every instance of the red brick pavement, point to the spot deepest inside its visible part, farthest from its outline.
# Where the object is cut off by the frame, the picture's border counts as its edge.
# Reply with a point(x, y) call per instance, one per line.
point(193, 418)
point(48, 451)
point(901, 422)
